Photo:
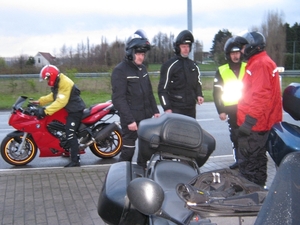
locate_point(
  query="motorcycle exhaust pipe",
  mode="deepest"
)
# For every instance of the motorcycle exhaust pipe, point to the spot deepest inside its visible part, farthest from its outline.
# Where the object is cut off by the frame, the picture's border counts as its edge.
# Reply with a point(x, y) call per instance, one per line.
point(106, 131)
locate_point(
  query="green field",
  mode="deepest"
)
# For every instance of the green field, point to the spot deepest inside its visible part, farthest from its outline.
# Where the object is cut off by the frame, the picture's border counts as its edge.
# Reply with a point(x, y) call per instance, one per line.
point(94, 90)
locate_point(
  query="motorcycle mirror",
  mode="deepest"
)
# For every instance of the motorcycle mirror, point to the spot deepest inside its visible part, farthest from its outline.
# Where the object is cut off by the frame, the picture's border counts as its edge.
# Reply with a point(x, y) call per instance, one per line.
point(145, 195)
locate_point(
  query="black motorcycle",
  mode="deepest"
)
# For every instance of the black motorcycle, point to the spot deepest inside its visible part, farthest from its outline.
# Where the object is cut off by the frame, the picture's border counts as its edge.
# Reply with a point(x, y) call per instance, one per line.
point(166, 193)
point(176, 147)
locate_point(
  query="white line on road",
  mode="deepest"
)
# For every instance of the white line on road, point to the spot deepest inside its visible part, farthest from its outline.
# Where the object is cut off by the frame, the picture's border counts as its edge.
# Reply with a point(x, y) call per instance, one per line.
point(209, 119)
point(82, 167)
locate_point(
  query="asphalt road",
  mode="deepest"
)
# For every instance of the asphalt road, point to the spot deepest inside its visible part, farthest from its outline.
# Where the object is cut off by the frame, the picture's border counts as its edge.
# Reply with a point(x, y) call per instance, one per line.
point(206, 115)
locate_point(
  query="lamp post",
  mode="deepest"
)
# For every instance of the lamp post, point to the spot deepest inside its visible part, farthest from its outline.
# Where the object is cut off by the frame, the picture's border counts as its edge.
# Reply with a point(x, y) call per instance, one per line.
point(190, 25)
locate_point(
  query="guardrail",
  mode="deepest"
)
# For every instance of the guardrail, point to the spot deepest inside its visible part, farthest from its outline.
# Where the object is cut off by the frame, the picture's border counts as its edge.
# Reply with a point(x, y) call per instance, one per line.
point(288, 73)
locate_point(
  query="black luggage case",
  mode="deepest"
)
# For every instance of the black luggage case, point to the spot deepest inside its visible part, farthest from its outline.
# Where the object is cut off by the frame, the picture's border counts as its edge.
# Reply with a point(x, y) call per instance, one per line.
point(113, 205)
point(175, 134)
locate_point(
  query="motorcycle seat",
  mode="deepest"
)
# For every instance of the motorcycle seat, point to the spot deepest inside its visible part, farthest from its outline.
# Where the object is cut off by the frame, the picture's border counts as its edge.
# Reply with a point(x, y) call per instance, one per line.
point(94, 108)
point(168, 174)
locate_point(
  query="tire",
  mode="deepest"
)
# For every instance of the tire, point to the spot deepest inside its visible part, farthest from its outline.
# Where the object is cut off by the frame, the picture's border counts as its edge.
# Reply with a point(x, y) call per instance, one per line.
point(109, 147)
point(11, 154)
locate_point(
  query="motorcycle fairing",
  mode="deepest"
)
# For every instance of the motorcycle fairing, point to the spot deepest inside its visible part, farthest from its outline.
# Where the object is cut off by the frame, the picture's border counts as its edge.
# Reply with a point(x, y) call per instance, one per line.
point(284, 138)
point(37, 128)
point(291, 100)
point(282, 204)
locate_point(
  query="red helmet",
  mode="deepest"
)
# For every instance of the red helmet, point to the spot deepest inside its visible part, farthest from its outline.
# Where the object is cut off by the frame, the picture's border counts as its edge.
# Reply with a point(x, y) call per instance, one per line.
point(49, 73)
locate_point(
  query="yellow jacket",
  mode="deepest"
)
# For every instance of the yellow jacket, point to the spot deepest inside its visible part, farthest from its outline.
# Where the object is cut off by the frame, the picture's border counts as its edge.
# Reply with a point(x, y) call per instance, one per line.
point(65, 85)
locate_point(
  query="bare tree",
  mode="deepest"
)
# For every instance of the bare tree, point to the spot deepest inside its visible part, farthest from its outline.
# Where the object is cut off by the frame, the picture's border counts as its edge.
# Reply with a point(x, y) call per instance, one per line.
point(198, 53)
point(117, 52)
point(274, 31)
point(63, 51)
point(71, 56)
point(83, 52)
point(88, 50)
point(163, 49)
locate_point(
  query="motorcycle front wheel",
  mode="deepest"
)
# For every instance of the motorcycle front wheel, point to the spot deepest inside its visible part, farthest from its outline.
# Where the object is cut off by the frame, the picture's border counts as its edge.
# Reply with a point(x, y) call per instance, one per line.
point(108, 147)
point(11, 153)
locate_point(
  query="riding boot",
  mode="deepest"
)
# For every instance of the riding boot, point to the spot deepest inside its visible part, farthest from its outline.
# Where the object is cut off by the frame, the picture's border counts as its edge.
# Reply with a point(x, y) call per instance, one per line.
point(75, 162)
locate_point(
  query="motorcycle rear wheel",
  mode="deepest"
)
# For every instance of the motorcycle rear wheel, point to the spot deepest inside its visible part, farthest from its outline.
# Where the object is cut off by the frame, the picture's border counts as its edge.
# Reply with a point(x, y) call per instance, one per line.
point(12, 155)
point(109, 147)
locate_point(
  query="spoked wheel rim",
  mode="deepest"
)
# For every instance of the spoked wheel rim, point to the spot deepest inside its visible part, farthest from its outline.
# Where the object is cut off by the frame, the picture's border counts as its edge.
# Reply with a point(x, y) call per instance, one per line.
point(109, 147)
point(13, 155)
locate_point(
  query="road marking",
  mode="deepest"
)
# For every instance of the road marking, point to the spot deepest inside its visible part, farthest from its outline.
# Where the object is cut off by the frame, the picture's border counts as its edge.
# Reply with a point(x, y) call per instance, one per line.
point(104, 166)
point(209, 119)
point(52, 168)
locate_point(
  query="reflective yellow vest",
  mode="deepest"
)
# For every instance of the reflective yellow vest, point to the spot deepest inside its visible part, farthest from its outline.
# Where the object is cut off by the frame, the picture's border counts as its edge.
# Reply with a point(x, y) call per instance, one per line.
point(232, 89)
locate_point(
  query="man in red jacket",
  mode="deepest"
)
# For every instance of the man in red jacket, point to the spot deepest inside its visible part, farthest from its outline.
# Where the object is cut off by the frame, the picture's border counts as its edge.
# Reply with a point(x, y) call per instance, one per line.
point(259, 108)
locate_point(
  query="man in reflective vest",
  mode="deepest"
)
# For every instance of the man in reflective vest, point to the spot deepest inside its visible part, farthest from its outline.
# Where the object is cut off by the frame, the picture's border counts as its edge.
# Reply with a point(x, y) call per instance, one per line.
point(227, 90)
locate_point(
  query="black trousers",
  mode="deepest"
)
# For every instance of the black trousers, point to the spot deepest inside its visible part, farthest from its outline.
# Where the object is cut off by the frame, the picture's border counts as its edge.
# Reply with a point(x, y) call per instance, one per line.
point(191, 112)
point(129, 138)
point(233, 132)
point(252, 156)
point(72, 124)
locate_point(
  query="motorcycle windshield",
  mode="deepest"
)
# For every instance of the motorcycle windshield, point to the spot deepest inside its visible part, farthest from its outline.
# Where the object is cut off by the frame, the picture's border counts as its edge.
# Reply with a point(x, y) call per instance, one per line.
point(18, 104)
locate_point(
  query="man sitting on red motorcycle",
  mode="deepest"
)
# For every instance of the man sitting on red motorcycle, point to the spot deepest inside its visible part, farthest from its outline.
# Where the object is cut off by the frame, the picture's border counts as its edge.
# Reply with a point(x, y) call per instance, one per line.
point(64, 94)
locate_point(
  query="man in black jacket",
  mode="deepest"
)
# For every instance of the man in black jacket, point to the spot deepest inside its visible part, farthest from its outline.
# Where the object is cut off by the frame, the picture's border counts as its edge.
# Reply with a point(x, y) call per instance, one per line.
point(180, 88)
point(132, 93)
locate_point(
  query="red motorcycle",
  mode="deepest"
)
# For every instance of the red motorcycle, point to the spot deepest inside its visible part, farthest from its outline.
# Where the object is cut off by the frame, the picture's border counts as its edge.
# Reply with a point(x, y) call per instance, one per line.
point(48, 134)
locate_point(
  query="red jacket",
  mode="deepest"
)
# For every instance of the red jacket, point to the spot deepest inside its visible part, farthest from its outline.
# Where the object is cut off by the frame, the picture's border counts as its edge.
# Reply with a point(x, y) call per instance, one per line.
point(261, 94)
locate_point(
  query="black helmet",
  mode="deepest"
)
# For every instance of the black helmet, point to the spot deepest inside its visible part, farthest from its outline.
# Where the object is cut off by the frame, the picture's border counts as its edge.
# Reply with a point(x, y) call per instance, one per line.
point(184, 37)
point(256, 43)
point(231, 45)
point(137, 43)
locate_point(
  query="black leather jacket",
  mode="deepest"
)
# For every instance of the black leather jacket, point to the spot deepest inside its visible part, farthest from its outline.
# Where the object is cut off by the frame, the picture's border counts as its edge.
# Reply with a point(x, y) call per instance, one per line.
point(179, 84)
point(132, 93)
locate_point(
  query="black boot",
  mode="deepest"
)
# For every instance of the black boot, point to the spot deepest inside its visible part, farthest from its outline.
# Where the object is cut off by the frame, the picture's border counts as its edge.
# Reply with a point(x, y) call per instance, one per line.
point(234, 166)
point(73, 164)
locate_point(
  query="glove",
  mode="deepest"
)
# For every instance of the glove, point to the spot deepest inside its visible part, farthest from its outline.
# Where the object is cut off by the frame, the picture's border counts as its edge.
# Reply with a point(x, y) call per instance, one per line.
point(40, 113)
point(245, 128)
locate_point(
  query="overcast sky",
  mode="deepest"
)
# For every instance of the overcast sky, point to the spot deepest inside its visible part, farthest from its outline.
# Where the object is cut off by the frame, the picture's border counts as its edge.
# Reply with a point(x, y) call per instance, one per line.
point(30, 26)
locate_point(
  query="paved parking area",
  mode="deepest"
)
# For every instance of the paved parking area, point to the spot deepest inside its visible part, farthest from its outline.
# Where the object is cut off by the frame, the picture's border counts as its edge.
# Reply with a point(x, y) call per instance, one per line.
point(65, 196)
